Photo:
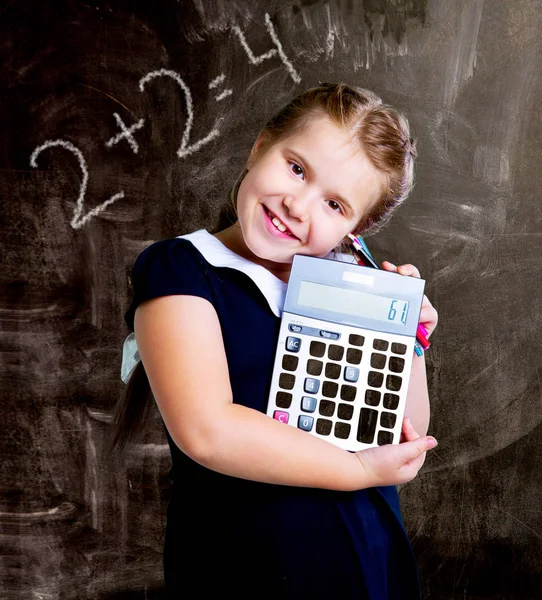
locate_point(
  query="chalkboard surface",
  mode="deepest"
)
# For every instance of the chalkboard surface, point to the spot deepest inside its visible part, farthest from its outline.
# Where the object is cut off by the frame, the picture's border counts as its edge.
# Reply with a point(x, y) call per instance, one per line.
point(127, 122)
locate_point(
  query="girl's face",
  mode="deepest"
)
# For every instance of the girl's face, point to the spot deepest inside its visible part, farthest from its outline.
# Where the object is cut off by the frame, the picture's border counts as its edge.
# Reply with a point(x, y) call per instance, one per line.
point(316, 182)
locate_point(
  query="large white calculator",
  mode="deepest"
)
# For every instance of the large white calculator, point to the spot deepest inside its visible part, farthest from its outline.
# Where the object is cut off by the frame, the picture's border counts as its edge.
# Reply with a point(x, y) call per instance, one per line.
point(344, 352)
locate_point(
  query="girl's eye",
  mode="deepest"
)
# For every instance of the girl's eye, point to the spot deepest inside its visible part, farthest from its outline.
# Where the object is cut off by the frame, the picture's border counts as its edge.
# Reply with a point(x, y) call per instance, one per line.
point(296, 169)
point(336, 205)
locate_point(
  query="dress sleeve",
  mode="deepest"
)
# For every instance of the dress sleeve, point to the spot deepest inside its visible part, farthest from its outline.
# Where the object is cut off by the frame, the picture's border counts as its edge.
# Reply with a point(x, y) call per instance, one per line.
point(166, 268)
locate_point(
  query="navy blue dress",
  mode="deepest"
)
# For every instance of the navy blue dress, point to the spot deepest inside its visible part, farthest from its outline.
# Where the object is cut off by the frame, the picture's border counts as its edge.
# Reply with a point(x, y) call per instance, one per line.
point(229, 537)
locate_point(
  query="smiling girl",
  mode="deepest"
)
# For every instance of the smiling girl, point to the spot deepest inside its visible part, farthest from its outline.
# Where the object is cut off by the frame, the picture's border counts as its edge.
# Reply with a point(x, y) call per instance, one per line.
point(257, 509)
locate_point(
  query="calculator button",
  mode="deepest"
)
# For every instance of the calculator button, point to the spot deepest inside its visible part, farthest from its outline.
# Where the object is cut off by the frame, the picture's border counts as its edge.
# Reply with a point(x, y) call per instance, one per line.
point(348, 392)
point(304, 422)
point(351, 374)
point(397, 364)
point(342, 430)
point(326, 408)
point(330, 389)
point(353, 356)
point(393, 382)
point(286, 381)
point(289, 362)
point(335, 352)
point(281, 416)
point(314, 367)
point(317, 349)
point(380, 344)
point(378, 361)
point(385, 437)
point(397, 348)
point(283, 400)
point(293, 344)
point(329, 335)
point(333, 370)
point(311, 385)
point(375, 379)
point(391, 401)
point(308, 404)
point(323, 426)
point(345, 411)
point(367, 425)
point(372, 397)
point(388, 420)
point(355, 340)
point(295, 328)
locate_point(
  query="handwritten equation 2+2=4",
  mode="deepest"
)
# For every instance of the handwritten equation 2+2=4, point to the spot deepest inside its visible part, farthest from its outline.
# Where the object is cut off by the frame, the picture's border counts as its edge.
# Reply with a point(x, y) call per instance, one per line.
point(79, 217)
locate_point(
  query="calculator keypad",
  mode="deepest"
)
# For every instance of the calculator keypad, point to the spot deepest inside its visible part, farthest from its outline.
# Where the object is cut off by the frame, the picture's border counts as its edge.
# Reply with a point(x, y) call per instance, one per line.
point(346, 387)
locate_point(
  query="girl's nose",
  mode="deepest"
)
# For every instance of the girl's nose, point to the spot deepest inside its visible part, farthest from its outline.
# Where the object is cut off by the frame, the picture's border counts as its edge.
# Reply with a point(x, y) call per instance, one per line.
point(298, 206)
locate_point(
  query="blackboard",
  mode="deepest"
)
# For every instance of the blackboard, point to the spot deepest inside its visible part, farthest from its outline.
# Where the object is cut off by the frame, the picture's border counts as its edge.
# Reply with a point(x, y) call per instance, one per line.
point(127, 122)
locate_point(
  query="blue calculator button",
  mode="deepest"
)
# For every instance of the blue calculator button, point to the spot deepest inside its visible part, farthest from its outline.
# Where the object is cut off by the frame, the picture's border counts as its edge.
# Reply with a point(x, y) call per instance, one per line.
point(351, 373)
point(293, 344)
point(295, 328)
point(308, 404)
point(311, 385)
point(305, 422)
point(325, 334)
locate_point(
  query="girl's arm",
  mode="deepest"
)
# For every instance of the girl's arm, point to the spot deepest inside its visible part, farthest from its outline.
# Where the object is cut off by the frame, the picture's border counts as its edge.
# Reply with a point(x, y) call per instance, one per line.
point(180, 342)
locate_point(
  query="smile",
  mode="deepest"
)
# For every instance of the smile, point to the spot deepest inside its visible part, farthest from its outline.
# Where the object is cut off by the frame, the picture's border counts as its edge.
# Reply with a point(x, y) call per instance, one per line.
point(278, 223)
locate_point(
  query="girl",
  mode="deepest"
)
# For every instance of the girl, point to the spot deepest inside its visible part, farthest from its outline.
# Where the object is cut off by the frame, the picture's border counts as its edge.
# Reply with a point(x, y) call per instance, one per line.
point(259, 509)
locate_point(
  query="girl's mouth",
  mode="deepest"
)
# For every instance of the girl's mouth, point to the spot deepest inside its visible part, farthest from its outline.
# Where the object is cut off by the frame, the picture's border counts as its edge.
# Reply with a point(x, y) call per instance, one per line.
point(275, 225)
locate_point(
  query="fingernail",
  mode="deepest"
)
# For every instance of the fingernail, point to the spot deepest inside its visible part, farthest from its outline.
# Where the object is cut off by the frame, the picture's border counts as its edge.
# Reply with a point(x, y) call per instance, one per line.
point(431, 443)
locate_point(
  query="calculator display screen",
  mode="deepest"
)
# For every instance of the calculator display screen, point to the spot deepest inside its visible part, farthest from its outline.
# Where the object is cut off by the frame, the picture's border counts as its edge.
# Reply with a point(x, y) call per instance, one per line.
point(353, 302)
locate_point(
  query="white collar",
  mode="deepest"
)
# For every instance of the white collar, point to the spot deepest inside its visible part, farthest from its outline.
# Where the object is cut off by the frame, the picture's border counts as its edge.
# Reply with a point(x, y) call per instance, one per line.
point(218, 255)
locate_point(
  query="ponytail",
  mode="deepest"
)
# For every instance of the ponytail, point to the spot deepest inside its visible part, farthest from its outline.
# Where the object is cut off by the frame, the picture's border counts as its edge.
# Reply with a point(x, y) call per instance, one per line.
point(132, 409)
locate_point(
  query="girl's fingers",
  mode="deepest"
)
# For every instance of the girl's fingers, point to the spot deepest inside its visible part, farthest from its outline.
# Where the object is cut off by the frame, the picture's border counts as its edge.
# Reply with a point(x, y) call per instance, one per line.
point(410, 451)
point(408, 269)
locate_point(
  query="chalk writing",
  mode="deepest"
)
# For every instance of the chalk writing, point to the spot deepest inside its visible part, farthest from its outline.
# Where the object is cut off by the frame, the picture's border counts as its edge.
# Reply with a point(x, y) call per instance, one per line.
point(127, 132)
point(215, 83)
point(256, 60)
point(78, 219)
point(185, 149)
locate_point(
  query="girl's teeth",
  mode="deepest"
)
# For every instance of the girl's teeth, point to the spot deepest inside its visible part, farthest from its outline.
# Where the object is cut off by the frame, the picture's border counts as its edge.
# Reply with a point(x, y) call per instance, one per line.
point(278, 224)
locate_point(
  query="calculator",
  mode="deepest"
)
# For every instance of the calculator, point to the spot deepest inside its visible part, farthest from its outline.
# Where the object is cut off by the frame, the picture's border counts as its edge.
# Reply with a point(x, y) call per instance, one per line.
point(344, 352)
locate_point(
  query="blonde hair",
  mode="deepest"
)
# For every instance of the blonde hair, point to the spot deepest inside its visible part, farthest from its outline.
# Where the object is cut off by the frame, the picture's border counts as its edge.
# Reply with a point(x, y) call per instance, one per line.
point(382, 133)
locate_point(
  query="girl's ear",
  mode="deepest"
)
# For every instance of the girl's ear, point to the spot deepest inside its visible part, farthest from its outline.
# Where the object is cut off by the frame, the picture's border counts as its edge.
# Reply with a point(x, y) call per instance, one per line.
point(258, 146)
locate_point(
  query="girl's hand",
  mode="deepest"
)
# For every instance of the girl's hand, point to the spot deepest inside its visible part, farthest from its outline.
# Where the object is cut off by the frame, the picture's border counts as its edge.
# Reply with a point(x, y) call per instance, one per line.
point(428, 314)
point(394, 464)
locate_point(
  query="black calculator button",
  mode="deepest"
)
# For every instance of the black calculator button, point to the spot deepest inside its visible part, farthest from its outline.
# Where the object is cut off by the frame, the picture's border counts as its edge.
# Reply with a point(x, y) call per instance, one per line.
point(353, 356)
point(375, 379)
point(293, 344)
point(330, 389)
point(286, 381)
point(289, 362)
point(388, 420)
point(342, 430)
point(314, 367)
point(283, 400)
point(333, 371)
point(317, 349)
point(397, 348)
point(345, 411)
point(372, 397)
point(380, 344)
point(378, 361)
point(323, 426)
point(355, 340)
point(311, 385)
point(385, 437)
point(295, 328)
point(305, 422)
point(335, 352)
point(393, 382)
point(308, 404)
point(391, 401)
point(351, 374)
point(367, 425)
point(348, 393)
point(326, 408)
point(397, 364)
